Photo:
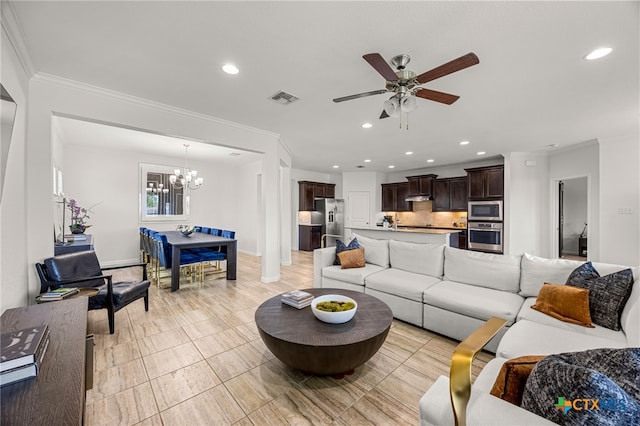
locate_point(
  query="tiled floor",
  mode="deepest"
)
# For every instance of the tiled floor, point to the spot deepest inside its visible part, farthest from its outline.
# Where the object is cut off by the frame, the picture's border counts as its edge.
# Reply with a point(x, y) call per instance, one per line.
point(196, 359)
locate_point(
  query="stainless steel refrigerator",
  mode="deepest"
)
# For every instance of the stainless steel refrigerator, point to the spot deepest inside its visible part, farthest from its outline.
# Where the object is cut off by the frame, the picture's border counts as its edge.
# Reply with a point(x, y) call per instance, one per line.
point(329, 213)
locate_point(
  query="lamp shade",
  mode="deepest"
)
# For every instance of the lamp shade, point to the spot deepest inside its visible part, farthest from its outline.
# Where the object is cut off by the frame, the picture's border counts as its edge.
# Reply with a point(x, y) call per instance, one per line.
point(392, 107)
point(407, 103)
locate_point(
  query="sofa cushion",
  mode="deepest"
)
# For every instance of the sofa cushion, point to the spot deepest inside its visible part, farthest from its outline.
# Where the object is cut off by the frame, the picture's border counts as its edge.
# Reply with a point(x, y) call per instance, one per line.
point(352, 258)
point(499, 272)
point(509, 384)
point(375, 251)
point(427, 259)
point(473, 301)
point(537, 270)
point(565, 303)
point(401, 283)
point(612, 376)
point(608, 294)
point(340, 247)
point(526, 313)
point(353, 276)
point(530, 338)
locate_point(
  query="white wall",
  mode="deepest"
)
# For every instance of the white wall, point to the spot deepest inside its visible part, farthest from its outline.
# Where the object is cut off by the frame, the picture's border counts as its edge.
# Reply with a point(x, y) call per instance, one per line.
point(619, 189)
point(14, 222)
point(246, 209)
point(50, 95)
point(109, 179)
point(526, 204)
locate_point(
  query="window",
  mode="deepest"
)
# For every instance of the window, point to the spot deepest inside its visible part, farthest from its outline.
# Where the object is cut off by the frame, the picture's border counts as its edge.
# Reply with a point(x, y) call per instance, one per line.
point(159, 201)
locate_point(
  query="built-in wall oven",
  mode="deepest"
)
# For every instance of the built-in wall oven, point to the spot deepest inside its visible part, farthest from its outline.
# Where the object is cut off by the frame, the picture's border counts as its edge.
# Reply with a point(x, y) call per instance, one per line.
point(485, 236)
point(485, 210)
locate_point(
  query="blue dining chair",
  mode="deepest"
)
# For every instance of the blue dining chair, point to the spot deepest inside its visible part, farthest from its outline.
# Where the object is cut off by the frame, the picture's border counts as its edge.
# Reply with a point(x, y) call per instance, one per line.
point(165, 256)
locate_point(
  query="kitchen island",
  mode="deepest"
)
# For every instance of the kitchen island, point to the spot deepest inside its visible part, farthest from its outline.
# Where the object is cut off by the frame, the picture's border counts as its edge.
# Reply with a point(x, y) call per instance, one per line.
point(448, 237)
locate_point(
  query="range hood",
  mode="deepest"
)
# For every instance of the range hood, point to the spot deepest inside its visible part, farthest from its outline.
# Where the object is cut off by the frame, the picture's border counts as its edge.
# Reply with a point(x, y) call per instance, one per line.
point(420, 187)
point(418, 198)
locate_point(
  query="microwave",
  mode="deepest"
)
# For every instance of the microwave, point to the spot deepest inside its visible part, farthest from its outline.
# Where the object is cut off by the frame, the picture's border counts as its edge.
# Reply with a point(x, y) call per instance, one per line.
point(485, 210)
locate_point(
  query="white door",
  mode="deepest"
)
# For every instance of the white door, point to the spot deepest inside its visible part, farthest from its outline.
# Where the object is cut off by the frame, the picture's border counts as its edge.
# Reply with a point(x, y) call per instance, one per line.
point(358, 209)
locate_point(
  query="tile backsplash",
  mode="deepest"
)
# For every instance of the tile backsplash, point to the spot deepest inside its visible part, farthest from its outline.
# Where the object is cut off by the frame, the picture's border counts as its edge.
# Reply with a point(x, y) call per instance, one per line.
point(422, 216)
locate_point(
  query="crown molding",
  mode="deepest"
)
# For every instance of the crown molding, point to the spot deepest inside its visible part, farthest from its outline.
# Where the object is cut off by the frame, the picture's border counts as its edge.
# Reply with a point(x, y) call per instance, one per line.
point(12, 28)
point(123, 97)
point(286, 148)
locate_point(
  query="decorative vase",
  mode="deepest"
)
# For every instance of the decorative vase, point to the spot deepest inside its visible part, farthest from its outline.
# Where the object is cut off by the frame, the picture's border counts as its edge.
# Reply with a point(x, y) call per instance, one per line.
point(77, 229)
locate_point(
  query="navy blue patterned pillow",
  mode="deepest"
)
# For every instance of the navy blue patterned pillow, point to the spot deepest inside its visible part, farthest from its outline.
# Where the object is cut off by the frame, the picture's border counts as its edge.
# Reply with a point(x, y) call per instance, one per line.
point(340, 247)
point(607, 295)
point(610, 376)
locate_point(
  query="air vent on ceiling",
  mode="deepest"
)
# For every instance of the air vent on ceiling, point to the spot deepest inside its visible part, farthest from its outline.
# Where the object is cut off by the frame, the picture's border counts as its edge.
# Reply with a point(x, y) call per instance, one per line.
point(284, 98)
point(360, 166)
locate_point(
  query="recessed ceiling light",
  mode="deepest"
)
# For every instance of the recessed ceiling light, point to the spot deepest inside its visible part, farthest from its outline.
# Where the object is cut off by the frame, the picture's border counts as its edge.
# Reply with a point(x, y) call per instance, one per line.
point(336, 166)
point(598, 53)
point(367, 125)
point(430, 160)
point(230, 69)
point(408, 153)
point(481, 153)
point(367, 161)
point(464, 143)
point(391, 167)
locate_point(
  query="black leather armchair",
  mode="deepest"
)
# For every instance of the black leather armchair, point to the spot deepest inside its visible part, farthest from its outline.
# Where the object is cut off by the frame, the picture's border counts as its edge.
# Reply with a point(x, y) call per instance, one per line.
point(82, 269)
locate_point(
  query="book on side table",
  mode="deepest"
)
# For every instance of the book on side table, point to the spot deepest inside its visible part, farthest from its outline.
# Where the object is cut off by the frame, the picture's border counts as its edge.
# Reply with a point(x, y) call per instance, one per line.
point(57, 294)
point(22, 352)
point(298, 299)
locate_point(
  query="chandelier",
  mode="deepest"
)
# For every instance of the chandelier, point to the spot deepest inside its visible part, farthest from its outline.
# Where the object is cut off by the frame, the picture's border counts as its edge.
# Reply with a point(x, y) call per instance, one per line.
point(185, 178)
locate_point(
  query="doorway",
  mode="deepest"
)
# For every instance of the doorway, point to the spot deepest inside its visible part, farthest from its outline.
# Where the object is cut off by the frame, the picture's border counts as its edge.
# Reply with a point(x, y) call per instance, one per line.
point(572, 218)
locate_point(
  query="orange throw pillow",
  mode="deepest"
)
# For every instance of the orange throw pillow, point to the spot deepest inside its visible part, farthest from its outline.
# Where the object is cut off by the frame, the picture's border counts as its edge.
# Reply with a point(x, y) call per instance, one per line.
point(509, 384)
point(352, 258)
point(564, 302)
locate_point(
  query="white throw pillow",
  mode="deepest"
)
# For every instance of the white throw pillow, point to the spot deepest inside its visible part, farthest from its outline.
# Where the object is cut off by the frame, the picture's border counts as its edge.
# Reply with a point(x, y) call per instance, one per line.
point(497, 271)
point(538, 270)
point(375, 251)
point(426, 259)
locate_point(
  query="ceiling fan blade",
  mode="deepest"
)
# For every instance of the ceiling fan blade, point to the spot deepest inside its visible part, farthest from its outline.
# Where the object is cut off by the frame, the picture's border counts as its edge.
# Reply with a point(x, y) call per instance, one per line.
point(434, 95)
point(380, 65)
point(384, 114)
point(450, 67)
point(360, 95)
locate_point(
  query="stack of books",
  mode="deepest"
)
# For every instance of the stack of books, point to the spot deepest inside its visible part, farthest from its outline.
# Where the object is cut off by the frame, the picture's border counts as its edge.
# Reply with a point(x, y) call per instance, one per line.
point(58, 294)
point(21, 353)
point(75, 237)
point(297, 298)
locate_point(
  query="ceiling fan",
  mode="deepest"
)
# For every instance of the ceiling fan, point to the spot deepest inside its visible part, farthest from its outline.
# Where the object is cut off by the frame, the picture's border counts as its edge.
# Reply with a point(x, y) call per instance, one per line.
point(404, 83)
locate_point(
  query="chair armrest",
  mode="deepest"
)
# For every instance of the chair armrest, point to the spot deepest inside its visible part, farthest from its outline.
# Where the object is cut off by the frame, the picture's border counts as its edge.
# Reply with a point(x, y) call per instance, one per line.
point(108, 268)
point(322, 257)
point(460, 371)
point(81, 280)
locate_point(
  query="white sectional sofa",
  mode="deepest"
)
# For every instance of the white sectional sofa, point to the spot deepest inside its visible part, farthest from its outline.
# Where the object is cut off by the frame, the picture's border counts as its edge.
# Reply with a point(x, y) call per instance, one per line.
point(453, 292)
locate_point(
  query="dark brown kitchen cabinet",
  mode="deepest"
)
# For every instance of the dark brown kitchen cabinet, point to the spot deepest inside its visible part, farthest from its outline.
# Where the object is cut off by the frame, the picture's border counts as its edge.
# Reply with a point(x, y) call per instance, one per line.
point(421, 186)
point(309, 237)
point(309, 191)
point(450, 195)
point(486, 183)
point(394, 197)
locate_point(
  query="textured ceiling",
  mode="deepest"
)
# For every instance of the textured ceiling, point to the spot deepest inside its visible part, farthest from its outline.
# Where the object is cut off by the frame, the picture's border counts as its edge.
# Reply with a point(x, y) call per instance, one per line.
point(532, 87)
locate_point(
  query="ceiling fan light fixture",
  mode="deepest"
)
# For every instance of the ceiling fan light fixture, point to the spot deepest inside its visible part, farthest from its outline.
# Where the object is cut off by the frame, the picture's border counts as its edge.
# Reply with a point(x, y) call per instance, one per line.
point(407, 103)
point(392, 107)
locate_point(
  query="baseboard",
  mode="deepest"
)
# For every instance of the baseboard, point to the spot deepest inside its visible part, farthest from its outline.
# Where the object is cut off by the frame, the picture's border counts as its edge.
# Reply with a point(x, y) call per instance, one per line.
point(252, 253)
point(270, 279)
point(120, 262)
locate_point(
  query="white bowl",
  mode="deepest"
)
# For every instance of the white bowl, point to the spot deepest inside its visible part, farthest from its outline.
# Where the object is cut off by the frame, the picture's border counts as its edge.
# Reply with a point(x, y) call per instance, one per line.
point(333, 317)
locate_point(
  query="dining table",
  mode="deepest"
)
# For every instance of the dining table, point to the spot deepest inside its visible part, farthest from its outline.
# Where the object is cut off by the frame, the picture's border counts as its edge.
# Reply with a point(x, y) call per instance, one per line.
point(180, 242)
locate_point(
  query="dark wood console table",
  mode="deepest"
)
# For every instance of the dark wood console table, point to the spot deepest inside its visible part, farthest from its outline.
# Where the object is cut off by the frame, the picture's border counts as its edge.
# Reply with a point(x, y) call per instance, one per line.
point(57, 395)
point(75, 246)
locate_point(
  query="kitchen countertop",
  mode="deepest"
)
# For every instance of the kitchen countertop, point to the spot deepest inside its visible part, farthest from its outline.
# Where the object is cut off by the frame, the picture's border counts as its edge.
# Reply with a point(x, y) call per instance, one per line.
point(423, 230)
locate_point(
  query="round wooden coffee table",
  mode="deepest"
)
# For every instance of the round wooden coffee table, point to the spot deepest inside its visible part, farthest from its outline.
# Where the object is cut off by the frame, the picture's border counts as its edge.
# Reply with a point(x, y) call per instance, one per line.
point(301, 341)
